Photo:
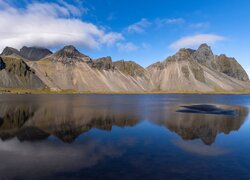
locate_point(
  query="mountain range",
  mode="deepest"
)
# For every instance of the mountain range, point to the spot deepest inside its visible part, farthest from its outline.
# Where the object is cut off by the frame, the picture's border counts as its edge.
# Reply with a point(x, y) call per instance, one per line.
point(68, 69)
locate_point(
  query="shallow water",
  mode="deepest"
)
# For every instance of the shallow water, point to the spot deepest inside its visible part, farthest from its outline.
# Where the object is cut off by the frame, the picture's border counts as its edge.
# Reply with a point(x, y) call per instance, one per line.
point(124, 137)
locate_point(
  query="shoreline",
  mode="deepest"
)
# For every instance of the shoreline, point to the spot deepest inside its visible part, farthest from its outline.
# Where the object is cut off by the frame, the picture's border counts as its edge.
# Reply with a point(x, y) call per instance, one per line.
point(69, 92)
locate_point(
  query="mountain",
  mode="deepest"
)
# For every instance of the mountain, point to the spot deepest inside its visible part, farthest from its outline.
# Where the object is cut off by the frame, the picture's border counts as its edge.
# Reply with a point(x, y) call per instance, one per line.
point(68, 69)
point(28, 53)
point(15, 73)
point(221, 63)
point(230, 67)
point(198, 70)
point(69, 54)
point(10, 51)
point(104, 63)
point(34, 53)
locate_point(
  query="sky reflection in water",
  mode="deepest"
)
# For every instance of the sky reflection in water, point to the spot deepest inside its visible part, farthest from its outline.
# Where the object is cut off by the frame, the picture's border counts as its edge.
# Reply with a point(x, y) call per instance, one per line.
point(124, 136)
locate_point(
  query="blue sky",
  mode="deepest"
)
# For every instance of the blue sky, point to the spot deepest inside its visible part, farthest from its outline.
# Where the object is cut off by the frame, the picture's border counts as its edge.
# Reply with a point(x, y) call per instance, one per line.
point(142, 31)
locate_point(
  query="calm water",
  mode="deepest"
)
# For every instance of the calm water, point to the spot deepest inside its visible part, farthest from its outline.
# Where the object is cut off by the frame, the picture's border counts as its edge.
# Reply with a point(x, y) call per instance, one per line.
point(124, 137)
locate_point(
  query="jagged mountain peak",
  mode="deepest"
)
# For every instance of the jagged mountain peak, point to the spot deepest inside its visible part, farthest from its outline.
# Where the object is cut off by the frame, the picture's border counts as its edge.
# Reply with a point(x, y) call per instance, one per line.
point(70, 49)
point(204, 46)
point(33, 47)
point(182, 55)
point(203, 54)
point(34, 53)
point(103, 63)
point(10, 51)
point(69, 54)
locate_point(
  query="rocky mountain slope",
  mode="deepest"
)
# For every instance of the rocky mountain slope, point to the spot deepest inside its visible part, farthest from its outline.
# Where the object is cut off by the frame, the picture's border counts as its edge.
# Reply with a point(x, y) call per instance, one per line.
point(15, 73)
point(198, 70)
point(68, 69)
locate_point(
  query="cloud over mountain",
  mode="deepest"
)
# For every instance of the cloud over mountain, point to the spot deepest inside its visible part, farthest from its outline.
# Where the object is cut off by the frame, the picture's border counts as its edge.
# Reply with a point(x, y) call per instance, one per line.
point(50, 25)
point(195, 40)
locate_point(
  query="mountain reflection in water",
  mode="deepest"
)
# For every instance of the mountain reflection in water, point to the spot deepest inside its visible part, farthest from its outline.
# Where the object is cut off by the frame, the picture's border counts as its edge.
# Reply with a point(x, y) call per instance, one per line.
point(124, 137)
point(67, 117)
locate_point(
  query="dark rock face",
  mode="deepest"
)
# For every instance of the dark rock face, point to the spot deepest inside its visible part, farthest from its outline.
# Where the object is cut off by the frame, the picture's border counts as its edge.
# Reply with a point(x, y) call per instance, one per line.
point(69, 54)
point(181, 55)
point(104, 63)
point(203, 54)
point(10, 51)
point(2, 64)
point(34, 53)
point(130, 68)
point(230, 67)
point(17, 74)
point(197, 72)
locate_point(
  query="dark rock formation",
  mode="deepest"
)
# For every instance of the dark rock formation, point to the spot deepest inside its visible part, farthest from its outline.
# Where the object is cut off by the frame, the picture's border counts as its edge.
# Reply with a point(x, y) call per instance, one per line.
point(130, 68)
point(69, 54)
point(16, 73)
point(203, 54)
point(34, 53)
point(181, 55)
point(10, 51)
point(230, 67)
point(104, 63)
point(2, 64)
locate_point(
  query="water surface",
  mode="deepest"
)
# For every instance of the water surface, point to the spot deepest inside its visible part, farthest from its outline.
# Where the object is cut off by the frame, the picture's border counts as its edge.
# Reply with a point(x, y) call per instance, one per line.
point(124, 137)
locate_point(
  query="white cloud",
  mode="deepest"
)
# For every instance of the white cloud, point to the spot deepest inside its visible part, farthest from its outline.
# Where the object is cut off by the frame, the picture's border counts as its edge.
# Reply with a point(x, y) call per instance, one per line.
point(50, 25)
point(195, 40)
point(139, 27)
point(126, 47)
point(168, 21)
